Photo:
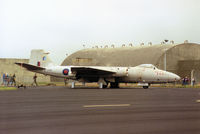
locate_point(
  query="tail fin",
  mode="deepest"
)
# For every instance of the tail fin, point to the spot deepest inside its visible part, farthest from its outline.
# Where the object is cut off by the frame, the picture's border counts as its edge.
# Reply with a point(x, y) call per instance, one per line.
point(40, 58)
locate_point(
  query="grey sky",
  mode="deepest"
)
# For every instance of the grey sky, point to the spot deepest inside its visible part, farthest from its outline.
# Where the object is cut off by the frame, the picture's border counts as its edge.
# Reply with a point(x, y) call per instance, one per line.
point(63, 26)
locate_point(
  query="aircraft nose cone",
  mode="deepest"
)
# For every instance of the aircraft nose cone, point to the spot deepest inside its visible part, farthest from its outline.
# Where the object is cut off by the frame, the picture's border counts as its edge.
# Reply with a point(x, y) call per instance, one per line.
point(174, 77)
point(177, 77)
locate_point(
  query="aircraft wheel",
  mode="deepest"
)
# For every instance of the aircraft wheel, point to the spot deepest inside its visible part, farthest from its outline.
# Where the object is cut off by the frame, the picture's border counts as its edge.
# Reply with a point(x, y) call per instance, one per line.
point(114, 85)
point(105, 86)
point(145, 87)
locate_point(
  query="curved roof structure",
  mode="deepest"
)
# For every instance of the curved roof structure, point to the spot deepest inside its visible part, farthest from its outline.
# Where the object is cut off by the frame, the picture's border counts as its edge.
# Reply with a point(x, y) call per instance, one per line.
point(122, 56)
point(130, 56)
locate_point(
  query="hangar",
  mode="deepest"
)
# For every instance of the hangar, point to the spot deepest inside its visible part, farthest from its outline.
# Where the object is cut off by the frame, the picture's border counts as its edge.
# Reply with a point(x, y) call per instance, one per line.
point(182, 59)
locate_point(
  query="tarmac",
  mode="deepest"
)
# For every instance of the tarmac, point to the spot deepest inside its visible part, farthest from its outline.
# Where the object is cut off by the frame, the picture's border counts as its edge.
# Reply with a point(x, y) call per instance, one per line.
point(61, 110)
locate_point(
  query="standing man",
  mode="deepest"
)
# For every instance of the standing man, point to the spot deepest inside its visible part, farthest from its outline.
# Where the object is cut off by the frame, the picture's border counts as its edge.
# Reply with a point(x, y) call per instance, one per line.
point(65, 81)
point(193, 81)
point(35, 80)
point(186, 80)
point(10, 80)
point(13, 80)
point(4, 79)
point(183, 81)
point(1, 79)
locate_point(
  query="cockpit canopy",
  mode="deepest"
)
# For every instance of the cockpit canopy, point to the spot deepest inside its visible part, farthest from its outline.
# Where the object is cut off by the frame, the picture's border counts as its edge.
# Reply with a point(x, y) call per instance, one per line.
point(147, 66)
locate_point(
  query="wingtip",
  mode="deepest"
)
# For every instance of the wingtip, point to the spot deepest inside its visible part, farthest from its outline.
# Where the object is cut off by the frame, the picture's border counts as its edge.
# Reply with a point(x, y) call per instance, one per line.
point(18, 63)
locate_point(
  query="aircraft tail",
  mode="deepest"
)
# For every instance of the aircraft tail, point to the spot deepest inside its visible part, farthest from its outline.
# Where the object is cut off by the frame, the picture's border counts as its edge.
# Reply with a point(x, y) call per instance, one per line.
point(40, 58)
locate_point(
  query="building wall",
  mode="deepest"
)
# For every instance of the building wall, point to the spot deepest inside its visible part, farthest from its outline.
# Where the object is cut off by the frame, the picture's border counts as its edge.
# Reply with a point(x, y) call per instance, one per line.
point(22, 75)
point(182, 52)
point(189, 67)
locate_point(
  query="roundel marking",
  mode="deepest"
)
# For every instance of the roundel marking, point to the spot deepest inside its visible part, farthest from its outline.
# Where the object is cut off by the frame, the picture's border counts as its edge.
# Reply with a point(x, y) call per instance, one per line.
point(65, 71)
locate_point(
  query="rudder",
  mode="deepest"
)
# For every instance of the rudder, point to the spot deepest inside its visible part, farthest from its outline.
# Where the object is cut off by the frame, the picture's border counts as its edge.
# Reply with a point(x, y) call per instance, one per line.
point(40, 58)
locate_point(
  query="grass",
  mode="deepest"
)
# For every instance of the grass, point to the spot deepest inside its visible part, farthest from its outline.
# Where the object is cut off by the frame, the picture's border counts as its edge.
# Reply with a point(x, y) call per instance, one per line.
point(3, 88)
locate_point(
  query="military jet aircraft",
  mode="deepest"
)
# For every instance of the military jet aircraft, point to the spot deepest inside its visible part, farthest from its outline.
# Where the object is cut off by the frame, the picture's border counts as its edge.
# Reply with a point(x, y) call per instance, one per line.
point(144, 74)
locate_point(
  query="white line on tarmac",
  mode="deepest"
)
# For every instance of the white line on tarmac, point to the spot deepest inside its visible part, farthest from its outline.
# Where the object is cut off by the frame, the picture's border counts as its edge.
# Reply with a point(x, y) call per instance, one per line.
point(198, 101)
point(112, 105)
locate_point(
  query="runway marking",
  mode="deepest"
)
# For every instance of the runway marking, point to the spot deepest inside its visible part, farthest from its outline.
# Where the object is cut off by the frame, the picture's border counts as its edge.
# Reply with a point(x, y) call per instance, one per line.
point(198, 101)
point(111, 105)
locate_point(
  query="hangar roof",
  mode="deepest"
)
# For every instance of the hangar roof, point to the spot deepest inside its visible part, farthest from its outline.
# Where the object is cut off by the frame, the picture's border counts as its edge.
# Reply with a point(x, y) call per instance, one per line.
point(120, 56)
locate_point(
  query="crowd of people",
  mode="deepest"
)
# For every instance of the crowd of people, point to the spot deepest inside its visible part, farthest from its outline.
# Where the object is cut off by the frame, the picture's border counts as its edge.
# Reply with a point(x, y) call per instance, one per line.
point(8, 80)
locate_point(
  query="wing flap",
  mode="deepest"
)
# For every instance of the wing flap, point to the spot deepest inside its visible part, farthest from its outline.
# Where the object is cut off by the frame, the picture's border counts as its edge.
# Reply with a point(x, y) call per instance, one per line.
point(29, 66)
point(91, 71)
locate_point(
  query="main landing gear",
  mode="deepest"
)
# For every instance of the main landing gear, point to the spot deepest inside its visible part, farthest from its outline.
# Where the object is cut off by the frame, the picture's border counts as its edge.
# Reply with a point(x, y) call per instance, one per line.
point(102, 85)
point(114, 85)
point(145, 87)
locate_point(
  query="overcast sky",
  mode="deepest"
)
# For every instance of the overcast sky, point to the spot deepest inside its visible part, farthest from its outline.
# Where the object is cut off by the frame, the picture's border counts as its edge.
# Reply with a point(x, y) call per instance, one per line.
point(63, 26)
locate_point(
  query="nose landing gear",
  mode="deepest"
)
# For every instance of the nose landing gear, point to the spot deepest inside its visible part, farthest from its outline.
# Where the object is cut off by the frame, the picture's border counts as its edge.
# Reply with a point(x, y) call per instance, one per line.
point(144, 85)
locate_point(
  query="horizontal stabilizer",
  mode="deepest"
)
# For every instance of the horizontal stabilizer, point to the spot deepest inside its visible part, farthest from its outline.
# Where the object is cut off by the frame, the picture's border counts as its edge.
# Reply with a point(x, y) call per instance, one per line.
point(29, 66)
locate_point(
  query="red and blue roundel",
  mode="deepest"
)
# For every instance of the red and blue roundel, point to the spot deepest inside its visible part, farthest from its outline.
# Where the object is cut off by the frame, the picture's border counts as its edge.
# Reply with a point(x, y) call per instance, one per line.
point(65, 71)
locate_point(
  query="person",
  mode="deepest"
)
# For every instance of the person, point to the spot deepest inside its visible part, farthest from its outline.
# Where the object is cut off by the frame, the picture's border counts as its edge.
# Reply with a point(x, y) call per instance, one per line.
point(65, 81)
point(9, 80)
point(1, 79)
point(193, 81)
point(186, 80)
point(13, 80)
point(183, 81)
point(4, 79)
point(35, 80)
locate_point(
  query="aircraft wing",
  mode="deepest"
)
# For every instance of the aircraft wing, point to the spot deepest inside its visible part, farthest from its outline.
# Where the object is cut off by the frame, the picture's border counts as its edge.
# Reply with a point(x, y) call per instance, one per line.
point(91, 71)
point(29, 66)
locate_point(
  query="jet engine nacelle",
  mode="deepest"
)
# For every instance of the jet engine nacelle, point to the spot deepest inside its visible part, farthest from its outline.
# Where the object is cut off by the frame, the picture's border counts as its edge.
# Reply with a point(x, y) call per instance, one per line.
point(60, 71)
